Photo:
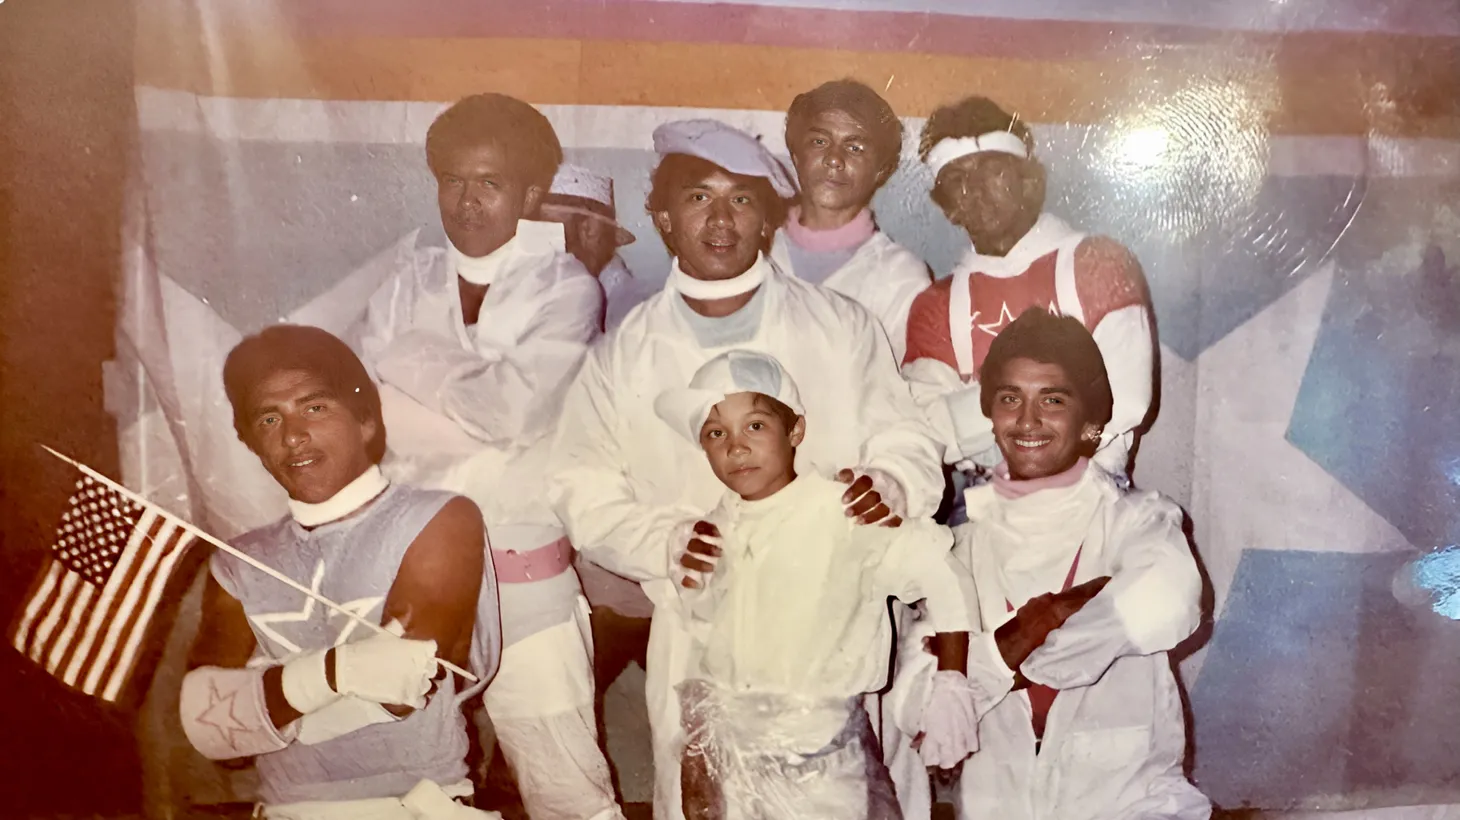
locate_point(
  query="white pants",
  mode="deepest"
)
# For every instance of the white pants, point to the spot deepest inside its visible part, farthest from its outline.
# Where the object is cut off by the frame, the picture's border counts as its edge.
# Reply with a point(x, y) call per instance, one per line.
point(541, 705)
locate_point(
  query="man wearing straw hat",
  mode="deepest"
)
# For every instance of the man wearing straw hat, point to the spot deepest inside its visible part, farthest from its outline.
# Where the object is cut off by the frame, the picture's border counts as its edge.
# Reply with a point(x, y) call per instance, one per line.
point(583, 201)
point(344, 721)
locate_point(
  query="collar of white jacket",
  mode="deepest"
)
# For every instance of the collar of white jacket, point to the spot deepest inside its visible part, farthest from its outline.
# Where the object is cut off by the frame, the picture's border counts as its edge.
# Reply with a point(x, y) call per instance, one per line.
point(709, 290)
point(533, 240)
point(364, 489)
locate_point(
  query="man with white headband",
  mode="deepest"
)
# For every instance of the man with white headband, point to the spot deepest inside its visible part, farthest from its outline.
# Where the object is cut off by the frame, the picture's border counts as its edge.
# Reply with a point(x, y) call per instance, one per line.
point(845, 141)
point(988, 182)
point(343, 722)
point(631, 491)
point(474, 346)
point(583, 201)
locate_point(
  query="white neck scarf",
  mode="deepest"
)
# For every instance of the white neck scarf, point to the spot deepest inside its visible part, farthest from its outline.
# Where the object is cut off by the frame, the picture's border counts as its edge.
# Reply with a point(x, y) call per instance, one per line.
point(532, 241)
point(710, 290)
point(1049, 232)
point(350, 498)
point(1034, 538)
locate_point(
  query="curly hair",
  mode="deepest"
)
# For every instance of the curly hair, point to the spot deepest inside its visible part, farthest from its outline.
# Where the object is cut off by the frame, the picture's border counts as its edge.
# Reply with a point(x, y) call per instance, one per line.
point(1049, 339)
point(311, 350)
point(862, 103)
point(970, 117)
point(521, 130)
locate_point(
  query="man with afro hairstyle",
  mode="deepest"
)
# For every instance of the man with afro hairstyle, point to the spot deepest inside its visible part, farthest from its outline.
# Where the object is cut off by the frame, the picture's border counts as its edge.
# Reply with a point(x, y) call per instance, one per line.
point(474, 345)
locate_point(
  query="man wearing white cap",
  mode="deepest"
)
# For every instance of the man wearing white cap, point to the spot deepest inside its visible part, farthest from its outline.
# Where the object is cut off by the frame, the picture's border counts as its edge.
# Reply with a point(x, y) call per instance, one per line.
point(474, 346)
point(845, 141)
point(630, 490)
point(583, 202)
point(988, 182)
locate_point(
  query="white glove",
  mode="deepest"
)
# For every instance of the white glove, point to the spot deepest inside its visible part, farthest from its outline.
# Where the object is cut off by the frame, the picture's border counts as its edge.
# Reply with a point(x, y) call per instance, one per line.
point(340, 718)
point(950, 722)
point(386, 669)
point(679, 545)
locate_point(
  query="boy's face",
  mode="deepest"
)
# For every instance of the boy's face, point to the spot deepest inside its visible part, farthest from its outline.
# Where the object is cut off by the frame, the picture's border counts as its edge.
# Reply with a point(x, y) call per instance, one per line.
point(750, 447)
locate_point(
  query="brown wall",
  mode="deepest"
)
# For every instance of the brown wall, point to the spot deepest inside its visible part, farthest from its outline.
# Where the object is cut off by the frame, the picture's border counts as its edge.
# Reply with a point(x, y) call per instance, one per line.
point(66, 120)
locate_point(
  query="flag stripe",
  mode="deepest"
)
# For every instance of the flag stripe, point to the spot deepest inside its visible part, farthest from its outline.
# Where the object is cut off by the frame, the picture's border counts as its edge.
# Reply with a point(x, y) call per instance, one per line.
point(64, 596)
point(108, 603)
point(178, 542)
point(150, 522)
point(79, 609)
point(35, 604)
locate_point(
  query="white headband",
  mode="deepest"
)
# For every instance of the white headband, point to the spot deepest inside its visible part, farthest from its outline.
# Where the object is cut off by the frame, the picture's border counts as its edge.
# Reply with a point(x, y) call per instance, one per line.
point(951, 148)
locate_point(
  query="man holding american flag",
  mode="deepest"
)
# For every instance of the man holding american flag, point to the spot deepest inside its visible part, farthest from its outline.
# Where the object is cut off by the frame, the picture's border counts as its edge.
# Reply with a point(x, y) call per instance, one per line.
point(344, 721)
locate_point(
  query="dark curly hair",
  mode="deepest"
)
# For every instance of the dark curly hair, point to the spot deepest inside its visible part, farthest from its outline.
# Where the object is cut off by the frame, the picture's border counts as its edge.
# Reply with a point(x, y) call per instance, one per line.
point(311, 350)
point(1049, 339)
point(521, 130)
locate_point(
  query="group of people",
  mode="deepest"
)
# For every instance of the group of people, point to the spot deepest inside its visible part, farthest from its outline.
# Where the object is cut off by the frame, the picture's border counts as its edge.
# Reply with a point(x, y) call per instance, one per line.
point(740, 469)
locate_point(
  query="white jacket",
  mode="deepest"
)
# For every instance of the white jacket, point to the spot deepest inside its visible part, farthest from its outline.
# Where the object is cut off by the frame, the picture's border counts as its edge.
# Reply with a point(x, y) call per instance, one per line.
point(623, 482)
point(1115, 739)
point(470, 408)
point(882, 276)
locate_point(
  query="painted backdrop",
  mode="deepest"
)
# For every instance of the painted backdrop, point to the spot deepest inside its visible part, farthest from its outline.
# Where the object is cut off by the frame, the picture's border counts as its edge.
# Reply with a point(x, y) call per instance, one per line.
point(1287, 172)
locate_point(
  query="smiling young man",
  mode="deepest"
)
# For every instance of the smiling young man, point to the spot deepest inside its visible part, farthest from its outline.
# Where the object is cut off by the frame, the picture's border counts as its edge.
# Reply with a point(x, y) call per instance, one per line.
point(630, 490)
point(988, 182)
point(1083, 589)
point(474, 346)
point(343, 722)
point(845, 141)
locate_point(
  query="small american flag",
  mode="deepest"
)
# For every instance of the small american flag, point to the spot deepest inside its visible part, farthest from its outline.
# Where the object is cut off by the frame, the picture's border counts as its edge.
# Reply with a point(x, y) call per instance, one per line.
point(95, 599)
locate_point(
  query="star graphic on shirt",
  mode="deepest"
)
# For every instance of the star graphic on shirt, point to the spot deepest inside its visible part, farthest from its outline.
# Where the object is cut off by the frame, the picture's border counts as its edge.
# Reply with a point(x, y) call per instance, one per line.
point(992, 328)
point(361, 608)
point(264, 621)
point(219, 714)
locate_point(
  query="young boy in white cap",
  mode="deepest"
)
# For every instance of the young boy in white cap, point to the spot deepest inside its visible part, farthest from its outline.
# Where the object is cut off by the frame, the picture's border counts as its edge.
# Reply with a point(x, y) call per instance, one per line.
point(583, 201)
point(788, 612)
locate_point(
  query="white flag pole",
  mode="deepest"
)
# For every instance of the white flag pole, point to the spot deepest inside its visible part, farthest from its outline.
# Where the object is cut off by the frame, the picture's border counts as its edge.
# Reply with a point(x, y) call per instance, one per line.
point(253, 562)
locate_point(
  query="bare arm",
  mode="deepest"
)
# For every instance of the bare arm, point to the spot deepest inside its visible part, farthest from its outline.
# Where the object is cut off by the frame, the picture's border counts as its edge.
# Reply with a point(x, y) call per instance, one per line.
point(434, 595)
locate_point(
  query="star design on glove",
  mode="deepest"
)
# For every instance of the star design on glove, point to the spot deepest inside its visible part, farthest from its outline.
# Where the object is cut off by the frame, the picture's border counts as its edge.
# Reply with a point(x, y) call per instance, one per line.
point(219, 714)
point(266, 620)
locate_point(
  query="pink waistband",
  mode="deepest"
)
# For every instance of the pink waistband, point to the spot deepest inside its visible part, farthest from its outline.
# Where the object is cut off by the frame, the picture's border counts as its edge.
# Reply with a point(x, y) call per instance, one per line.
point(548, 561)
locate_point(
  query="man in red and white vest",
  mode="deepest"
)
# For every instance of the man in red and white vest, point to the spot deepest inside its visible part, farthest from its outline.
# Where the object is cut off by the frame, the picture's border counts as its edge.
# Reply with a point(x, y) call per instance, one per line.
point(989, 183)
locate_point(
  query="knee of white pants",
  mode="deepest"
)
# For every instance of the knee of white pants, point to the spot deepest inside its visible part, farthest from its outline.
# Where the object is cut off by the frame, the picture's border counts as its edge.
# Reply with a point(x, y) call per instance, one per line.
point(543, 674)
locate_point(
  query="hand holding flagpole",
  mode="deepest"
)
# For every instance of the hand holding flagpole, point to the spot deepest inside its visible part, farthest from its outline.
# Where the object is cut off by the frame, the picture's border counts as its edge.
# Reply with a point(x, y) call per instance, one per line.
point(253, 562)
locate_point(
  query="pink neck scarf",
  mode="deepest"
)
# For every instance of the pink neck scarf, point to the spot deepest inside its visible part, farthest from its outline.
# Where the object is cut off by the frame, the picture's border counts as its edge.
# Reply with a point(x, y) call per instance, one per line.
point(848, 236)
point(1008, 487)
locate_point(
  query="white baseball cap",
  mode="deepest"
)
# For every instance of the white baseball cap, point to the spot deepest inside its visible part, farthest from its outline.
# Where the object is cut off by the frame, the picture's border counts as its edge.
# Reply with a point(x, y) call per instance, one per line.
point(726, 146)
point(738, 371)
point(577, 190)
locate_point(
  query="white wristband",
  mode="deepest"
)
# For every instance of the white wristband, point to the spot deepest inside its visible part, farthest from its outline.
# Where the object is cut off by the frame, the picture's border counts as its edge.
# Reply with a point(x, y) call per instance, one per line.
point(306, 687)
